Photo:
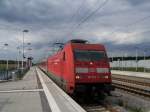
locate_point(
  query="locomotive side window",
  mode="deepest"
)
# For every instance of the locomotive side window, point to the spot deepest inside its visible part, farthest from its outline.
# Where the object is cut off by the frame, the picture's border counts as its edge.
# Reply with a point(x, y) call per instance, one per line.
point(88, 55)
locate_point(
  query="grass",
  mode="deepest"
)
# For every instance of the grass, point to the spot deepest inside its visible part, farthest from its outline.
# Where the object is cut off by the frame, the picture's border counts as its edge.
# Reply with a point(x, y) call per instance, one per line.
point(10, 67)
point(135, 109)
point(129, 107)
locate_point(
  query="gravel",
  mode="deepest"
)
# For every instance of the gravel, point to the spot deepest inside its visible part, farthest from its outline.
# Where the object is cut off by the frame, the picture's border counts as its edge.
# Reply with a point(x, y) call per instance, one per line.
point(127, 102)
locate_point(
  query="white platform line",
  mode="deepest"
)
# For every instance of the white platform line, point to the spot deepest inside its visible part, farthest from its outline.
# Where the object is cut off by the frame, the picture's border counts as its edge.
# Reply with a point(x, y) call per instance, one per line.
point(75, 105)
point(17, 91)
point(51, 101)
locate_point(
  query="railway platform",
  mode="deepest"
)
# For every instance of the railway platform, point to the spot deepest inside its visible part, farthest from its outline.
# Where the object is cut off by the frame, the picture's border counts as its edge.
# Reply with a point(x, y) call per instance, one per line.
point(133, 74)
point(58, 100)
point(35, 93)
point(22, 95)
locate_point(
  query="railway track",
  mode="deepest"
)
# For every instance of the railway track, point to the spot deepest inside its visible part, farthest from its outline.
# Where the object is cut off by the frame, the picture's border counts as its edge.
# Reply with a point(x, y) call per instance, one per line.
point(97, 104)
point(100, 108)
point(133, 85)
point(95, 108)
point(135, 80)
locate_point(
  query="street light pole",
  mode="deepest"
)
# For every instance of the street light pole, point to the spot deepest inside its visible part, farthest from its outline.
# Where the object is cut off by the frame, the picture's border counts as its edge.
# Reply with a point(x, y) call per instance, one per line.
point(18, 64)
point(30, 63)
point(29, 56)
point(24, 31)
point(144, 60)
point(119, 64)
point(136, 58)
point(6, 45)
point(122, 60)
point(126, 62)
point(112, 61)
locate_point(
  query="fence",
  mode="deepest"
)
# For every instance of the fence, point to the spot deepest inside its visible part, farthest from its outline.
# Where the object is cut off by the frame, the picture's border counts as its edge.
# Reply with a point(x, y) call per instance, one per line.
point(8, 75)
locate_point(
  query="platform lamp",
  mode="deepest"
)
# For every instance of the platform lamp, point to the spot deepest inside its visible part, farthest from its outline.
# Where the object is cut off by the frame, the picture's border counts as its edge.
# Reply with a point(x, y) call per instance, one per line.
point(6, 45)
point(122, 58)
point(145, 59)
point(28, 64)
point(28, 53)
point(19, 52)
point(136, 58)
point(24, 31)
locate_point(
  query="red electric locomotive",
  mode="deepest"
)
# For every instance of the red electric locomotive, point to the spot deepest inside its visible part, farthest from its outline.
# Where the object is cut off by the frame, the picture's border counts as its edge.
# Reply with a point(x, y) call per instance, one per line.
point(80, 66)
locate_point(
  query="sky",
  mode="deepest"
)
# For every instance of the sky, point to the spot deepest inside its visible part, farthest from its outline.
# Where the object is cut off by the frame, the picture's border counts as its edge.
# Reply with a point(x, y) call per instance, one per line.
point(121, 25)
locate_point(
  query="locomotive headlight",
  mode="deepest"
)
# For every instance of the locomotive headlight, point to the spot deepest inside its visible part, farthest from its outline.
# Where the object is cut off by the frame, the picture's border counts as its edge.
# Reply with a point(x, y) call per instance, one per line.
point(81, 70)
point(77, 77)
point(106, 77)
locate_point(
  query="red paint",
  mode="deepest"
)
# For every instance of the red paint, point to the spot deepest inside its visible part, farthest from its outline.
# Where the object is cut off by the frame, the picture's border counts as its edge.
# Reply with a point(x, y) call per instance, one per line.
point(63, 65)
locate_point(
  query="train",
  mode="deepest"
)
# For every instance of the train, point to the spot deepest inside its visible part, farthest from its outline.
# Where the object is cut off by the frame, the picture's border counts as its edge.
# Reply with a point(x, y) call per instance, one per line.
point(80, 66)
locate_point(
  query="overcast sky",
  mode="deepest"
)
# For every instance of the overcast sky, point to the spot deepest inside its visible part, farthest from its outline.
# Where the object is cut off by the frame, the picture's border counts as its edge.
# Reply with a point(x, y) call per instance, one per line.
point(121, 25)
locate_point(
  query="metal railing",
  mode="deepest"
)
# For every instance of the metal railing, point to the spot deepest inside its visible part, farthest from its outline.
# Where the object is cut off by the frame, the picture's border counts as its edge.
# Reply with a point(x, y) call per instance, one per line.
point(5, 75)
point(15, 74)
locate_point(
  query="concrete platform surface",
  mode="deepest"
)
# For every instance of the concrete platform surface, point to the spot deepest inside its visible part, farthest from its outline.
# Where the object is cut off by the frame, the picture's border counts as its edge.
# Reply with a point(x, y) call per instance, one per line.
point(129, 73)
point(20, 102)
point(23, 95)
point(36, 92)
point(29, 82)
point(59, 101)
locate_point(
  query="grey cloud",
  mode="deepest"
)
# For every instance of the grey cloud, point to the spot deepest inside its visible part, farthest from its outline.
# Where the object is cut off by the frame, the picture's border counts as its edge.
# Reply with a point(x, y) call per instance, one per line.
point(49, 21)
point(138, 2)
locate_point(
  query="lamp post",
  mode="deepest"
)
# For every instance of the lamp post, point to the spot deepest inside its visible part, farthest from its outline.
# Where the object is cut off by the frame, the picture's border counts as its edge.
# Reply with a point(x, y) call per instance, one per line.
point(112, 61)
point(122, 60)
point(24, 31)
point(144, 60)
point(119, 64)
point(29, 55)
point(29, 49)
point(19, 52)
point(136, 58)
point(6, 45)
point(125, 62)
point(28, 64)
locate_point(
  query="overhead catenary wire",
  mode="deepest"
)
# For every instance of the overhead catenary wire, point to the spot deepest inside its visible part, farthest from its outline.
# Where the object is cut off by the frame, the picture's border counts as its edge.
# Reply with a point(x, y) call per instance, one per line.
point(78, 10)
point(131, 24)
point(148, 31)
point(104, 3)
point(74, 16)
point(90, 15)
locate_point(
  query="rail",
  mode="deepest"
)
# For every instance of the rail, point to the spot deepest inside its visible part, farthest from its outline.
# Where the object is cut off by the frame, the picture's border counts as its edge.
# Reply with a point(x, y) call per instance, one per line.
point(134, 85)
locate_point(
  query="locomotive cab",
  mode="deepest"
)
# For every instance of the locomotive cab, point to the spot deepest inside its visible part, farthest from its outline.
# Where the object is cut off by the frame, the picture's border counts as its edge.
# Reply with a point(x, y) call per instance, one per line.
point(91, 67)
point(79, 65)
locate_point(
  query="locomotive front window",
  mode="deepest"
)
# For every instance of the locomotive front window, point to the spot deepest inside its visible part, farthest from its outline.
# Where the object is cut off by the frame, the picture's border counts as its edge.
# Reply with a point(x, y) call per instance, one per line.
point(88, 55)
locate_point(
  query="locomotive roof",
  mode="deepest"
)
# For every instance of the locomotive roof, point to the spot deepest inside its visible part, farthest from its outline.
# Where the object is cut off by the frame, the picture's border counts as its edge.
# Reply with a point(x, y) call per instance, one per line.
point(78, 41)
